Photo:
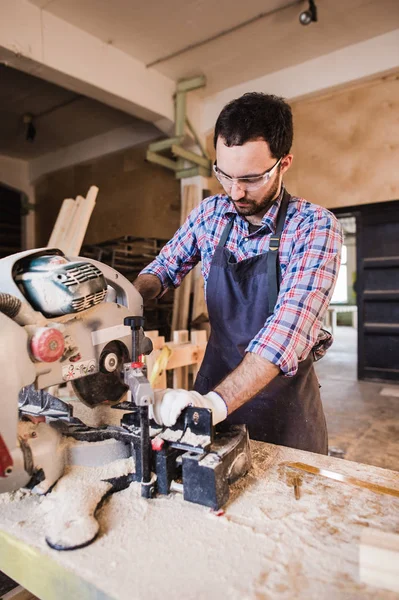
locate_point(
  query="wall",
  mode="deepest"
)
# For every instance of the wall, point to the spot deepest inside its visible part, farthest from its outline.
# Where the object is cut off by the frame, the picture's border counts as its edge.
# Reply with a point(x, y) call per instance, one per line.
point(14, 173)
point(346, 145)
point(356, 62)
point(135, 197)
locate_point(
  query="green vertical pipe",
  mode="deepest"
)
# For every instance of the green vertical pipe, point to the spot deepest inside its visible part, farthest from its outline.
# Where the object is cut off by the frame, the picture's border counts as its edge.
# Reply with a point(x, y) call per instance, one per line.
point(180, 113)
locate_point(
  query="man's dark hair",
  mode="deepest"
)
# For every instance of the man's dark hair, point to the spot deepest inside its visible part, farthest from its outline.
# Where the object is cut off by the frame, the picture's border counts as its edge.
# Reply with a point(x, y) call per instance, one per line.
point(253, 116)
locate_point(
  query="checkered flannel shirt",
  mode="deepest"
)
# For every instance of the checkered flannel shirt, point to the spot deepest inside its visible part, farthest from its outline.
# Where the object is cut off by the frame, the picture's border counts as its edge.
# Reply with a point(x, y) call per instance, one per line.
point(309, 260)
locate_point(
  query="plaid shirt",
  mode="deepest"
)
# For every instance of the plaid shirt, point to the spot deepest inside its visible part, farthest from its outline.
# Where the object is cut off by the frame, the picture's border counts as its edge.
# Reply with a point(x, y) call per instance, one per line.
point(309, 260)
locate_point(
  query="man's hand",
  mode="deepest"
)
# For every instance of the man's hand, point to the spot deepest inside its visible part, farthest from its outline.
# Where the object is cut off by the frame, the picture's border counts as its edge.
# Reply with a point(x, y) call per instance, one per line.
point(149, 286)
point(169, 404)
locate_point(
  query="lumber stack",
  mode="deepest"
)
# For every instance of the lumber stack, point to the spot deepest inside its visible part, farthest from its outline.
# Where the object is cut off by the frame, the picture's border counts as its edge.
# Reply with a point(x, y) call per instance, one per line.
point(193, 284)
point(72, 221)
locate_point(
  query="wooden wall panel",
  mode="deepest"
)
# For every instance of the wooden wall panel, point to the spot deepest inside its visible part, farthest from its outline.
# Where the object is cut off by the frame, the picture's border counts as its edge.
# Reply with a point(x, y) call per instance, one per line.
point(135, 197)
point(346, 145)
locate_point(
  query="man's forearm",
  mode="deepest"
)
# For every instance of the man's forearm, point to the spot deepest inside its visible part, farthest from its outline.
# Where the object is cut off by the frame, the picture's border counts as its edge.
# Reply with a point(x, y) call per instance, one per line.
point(149, 286)
point(247, 380)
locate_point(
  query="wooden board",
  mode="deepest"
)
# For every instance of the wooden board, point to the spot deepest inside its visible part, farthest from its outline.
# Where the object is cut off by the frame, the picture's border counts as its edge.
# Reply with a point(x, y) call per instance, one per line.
point(190, 199)
point(379, 559)
point(345, 145)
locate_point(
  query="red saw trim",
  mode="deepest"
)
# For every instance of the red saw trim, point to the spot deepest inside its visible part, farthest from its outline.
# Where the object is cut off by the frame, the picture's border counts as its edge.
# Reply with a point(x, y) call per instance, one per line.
point(5, 458)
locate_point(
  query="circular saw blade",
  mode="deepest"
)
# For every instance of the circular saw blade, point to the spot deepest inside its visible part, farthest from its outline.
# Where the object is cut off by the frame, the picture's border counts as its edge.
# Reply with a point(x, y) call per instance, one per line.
point(104, 386)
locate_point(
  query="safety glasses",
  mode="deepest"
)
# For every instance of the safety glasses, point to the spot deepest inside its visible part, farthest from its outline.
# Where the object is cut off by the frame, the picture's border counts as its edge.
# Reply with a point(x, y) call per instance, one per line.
point(246, 183)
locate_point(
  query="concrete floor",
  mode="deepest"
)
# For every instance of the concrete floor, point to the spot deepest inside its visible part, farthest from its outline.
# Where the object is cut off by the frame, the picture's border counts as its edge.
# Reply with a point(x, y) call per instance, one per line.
point(362, 422)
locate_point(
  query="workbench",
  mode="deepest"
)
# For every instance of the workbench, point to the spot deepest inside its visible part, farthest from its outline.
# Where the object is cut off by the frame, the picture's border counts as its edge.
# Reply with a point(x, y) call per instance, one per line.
point(285, 533)
point(333, 310)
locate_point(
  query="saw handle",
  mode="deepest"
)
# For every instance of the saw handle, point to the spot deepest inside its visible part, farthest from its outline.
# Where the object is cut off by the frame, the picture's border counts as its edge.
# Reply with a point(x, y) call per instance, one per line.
point(135, 324)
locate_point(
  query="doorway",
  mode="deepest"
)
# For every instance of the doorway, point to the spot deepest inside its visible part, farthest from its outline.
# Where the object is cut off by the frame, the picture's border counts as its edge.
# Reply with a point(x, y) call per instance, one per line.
point(375, 286)
point(10, 221)
point(359, 375)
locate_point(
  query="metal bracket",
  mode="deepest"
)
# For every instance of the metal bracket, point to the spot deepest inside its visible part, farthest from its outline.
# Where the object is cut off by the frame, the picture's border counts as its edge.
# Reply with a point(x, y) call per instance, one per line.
point(26, 206)
point(200, 163)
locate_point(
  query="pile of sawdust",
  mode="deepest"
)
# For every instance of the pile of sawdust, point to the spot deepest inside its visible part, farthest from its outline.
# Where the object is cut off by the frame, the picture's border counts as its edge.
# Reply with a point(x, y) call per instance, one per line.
point(267, 544)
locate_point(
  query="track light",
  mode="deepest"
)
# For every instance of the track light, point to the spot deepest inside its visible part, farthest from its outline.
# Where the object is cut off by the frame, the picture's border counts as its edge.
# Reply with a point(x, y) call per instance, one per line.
point(30, 131)
point(307, 16)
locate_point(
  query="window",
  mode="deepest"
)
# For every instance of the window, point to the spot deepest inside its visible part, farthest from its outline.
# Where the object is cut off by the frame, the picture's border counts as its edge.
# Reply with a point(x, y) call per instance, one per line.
point(341, 289)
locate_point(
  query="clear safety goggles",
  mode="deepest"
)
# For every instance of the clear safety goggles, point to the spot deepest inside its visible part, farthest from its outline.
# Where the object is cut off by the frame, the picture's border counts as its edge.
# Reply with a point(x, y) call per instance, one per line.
point(245, 183)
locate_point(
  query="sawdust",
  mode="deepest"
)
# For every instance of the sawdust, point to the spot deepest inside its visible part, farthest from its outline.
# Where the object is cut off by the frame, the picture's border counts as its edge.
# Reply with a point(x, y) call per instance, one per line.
point(171, 435)
point(193, 439)
point(71, 505)
point(189, 437)
point(266, 545)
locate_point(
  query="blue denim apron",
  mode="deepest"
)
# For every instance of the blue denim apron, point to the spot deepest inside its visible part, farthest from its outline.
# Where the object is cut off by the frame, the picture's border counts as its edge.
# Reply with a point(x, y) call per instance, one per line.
point(240, 297)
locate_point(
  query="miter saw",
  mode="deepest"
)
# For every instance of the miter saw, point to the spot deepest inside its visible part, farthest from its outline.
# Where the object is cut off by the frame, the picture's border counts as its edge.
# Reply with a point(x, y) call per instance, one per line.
point(80, 321)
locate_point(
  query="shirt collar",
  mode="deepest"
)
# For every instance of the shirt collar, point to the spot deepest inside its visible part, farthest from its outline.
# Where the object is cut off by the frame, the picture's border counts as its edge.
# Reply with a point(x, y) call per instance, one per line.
point(269, 219)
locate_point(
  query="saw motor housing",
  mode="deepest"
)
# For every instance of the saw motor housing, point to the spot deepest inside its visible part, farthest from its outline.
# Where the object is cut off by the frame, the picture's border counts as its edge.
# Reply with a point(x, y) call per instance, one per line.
point(57, 326)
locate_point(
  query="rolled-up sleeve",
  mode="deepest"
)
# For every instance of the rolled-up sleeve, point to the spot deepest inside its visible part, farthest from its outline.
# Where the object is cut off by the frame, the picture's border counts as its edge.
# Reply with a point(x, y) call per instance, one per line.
point(305, 292)
point(178, 256)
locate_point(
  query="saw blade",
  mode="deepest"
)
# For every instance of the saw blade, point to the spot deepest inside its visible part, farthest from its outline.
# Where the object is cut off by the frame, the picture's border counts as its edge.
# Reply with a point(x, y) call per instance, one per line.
point(104, 386)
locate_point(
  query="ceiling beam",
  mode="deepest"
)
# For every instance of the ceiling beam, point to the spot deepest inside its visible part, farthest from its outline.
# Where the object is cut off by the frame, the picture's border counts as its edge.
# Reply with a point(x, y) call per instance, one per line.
point(112, 141)
point(352, 63)
point(30, 41)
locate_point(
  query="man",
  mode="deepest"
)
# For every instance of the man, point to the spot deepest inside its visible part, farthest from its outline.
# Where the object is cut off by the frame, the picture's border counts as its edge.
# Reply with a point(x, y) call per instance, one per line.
point(270, 262)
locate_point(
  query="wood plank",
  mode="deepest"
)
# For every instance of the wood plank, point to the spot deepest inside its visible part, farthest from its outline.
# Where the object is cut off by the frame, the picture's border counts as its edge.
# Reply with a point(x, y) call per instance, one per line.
point(161, 160)
point(185, 354)
point(181, 304)
point(200, 309)
point(379, 559)
point(200, 338)
point(180, 375)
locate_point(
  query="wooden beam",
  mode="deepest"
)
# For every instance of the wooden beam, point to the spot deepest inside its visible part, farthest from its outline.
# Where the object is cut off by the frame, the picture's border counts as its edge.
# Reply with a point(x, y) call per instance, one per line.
point(184, 354)
point(181, 302)
point(187, 85)
point(191, 156)
point(180, 113)
point(165, 144)
point(161, 160)
point(180, 375)
point(197, 139)
point(193, 172)
point(200, 338)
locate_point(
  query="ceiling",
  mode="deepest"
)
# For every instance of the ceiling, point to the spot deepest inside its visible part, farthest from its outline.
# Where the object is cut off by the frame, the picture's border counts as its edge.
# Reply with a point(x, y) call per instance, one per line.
point(151, 30)
point(61, 117)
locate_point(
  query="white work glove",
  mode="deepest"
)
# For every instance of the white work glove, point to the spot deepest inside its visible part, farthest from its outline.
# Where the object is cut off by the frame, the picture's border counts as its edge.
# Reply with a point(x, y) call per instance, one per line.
point(169, 403)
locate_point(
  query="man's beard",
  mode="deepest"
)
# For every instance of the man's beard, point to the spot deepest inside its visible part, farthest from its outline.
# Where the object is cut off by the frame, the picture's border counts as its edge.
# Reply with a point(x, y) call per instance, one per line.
point(253, 208)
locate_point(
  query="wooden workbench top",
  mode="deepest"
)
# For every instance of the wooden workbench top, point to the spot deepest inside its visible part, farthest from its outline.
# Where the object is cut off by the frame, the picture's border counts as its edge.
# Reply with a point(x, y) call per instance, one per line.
point(268, 543)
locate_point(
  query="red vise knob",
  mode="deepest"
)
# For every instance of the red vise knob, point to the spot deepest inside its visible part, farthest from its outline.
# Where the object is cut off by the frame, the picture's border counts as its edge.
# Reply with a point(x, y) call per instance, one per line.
point(47, 344)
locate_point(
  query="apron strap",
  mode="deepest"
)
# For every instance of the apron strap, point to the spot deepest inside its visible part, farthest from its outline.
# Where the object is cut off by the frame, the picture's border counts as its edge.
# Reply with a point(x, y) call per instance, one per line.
point(273, 263)
point(226, 232)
